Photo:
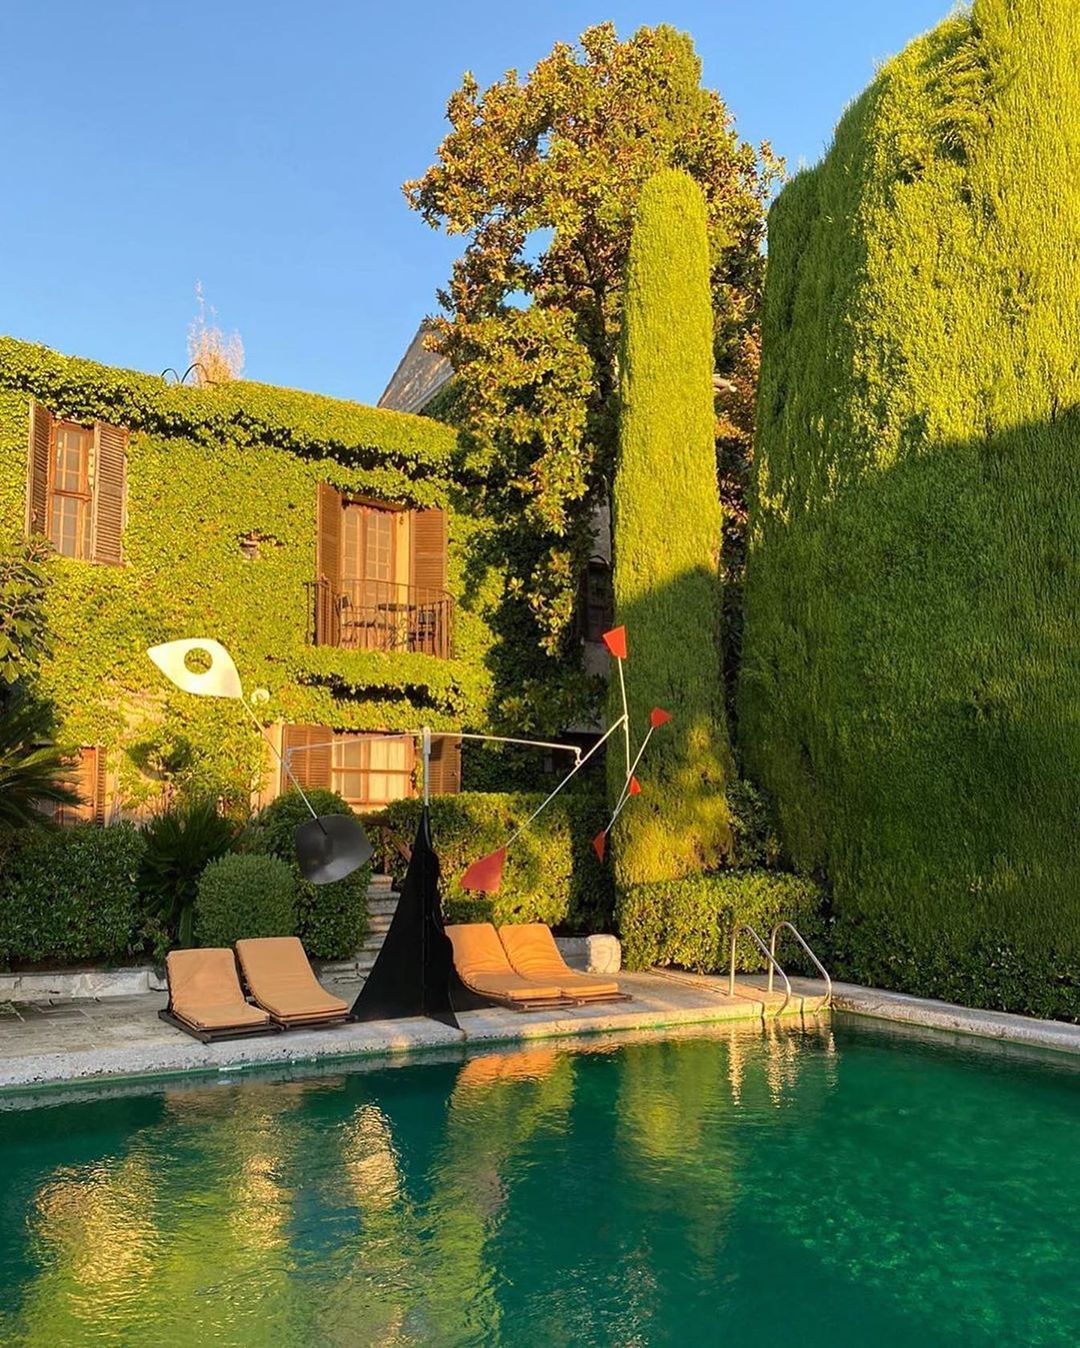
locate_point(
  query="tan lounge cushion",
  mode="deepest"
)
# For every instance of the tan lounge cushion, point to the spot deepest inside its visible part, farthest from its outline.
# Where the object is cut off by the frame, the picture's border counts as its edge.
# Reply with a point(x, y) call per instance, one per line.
point(282, 981)
point(205, 991)
point(482, 965)
point(512, 986)
point(531, 950)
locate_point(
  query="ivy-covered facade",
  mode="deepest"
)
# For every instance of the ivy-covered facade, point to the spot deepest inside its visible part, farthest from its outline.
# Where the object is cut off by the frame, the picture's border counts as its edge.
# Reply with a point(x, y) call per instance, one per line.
point(329, 546)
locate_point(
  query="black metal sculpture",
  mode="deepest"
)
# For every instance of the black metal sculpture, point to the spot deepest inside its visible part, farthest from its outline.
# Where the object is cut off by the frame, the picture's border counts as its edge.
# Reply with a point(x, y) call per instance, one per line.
point(414, 973)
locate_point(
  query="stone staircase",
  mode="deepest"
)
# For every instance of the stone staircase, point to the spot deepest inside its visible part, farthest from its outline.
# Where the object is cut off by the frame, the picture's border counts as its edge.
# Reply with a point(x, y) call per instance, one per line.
point(382, 904)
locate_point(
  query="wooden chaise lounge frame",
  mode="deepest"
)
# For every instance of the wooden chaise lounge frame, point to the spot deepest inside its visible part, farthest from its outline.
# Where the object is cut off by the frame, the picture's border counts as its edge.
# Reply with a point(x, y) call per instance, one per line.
point(281, 981)
point(482, 966)
point(206, 1000)
point(532, 952)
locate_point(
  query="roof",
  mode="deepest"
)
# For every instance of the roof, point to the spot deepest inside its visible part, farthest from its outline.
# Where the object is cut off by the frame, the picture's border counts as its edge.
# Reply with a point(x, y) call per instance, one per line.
point(419, 376)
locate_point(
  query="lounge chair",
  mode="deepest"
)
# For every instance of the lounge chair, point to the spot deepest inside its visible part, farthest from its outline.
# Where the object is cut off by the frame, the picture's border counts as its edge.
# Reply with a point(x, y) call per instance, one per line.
point(279, 977)
point(482, 966)
point(531, 950)
point(205, 998)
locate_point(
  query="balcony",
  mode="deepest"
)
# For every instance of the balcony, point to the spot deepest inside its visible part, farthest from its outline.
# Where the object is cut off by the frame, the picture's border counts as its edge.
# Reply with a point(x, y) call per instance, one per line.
point(376, 615)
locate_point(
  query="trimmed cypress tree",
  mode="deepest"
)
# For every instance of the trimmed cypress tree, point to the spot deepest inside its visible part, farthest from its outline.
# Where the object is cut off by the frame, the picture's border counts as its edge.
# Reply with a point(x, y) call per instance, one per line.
point(910, 692)
point(667, 544)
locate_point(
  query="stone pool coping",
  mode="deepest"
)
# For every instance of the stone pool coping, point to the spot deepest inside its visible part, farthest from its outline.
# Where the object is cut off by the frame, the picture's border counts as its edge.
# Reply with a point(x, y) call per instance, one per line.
point(930, 1014)
point(117, 1039)
point(113, 1040)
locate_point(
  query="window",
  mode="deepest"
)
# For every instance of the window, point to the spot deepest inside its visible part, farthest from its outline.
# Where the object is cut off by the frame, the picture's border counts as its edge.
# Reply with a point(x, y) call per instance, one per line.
point(76, 486)
point(69, 490)
point(370, 772)
point(368, 543)
point(366, 769)
point(597, 600)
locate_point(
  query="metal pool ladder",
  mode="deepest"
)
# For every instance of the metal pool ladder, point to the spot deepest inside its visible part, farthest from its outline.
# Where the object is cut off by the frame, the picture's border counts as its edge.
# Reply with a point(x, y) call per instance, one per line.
point(736, 932)
point(827, 999)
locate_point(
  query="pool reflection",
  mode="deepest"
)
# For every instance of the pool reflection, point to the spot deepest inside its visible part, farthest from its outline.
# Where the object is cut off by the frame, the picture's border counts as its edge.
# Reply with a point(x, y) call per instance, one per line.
point(625, 1193)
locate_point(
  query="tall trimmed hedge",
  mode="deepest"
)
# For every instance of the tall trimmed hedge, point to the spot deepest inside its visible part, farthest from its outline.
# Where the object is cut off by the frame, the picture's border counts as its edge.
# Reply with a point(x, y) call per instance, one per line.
point(667, 544)
point(910, 694)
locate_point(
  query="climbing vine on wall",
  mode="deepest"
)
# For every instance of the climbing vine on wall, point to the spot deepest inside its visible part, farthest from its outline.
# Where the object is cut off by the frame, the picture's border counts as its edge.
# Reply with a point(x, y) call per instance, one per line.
point(208, 468)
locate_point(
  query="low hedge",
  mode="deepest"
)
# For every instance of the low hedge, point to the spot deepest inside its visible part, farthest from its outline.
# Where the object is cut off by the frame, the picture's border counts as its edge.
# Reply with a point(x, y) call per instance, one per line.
point(988, 972)
point(244, 895)
point(688, 922)
point(331, 920)
point(552, 874)
point(68, 895)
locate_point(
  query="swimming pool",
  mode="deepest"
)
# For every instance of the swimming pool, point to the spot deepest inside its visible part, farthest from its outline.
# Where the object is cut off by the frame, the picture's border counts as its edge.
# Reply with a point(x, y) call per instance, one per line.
point(843, 1184)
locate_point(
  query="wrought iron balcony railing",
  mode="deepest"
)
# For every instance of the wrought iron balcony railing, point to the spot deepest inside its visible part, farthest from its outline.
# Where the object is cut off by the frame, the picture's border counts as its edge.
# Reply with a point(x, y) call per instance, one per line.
point(378, 615)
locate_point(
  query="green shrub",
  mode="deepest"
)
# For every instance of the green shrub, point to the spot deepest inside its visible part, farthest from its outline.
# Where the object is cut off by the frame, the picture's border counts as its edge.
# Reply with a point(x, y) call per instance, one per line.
point(244, 895)
point(331, 920)
point(71, 894)
point(551, 875)
point(910, 690)
point(180, 841)
point(688, 922)
point(667, 531)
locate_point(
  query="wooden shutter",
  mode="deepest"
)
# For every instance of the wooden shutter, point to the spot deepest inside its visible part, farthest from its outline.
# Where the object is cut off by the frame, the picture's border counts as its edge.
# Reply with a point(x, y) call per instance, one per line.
point(328, 544)
point(429, 550)
point(110, 494)
point(445, 765)
point(99, 799)
point(87, 776)
point(311, 767)
point(37, 474)
point(328, 514)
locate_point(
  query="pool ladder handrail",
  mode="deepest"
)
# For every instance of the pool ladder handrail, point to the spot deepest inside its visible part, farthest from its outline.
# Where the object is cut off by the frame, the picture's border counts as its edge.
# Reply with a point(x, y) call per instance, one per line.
point(827, 999)
point(737, 930)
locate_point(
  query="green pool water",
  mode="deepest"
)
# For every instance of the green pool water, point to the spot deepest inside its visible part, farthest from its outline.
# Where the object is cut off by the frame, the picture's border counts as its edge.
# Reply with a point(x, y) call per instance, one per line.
point(834, 1185)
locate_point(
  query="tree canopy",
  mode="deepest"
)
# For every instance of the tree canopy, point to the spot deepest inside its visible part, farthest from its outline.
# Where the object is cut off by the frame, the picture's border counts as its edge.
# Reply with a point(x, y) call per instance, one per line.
point(542, 176)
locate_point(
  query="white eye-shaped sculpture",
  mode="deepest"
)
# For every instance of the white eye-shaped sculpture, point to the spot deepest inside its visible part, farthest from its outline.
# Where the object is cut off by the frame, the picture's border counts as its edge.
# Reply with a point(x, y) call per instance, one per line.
point(220, 679)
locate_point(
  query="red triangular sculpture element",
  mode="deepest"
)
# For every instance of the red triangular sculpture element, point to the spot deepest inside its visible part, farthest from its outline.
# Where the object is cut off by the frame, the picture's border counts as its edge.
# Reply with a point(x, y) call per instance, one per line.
point(658, 717)
point(485, 875)
point(615, 641)
point(599, 845)
point(635, 787)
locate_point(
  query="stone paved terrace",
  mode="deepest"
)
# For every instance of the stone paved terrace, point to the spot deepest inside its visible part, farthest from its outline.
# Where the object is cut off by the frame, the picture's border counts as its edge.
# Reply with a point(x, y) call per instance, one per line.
point(75, 1039)
point(86, 1040)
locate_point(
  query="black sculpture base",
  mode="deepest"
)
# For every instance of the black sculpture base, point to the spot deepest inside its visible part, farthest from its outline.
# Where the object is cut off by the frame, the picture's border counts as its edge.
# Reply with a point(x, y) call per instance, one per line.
point(414, 974)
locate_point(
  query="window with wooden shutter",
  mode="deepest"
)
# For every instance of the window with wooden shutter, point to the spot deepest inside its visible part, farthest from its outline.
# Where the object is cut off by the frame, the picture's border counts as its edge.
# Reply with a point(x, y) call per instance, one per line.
point(307, 750)
point(429, 552)
point(87, 776)
point(76, 486)
point(445, 765)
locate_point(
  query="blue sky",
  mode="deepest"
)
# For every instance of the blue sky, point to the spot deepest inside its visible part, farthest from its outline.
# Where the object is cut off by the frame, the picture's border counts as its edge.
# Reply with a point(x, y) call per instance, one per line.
point(260, 146)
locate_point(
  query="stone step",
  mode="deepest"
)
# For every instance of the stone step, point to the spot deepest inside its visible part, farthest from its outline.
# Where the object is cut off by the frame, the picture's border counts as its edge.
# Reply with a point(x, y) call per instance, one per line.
point(379, 922)
point(380, 884)
point(382, 907)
